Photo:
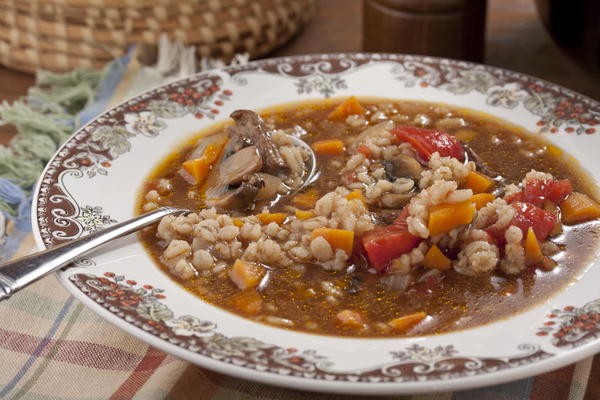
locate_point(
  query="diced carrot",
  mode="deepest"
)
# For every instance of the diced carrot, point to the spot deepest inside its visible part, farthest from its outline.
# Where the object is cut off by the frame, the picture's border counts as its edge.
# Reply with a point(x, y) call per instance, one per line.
point(350, 318)
point(247, 301)
point(533, 251)
point(478, 182)
point(364, 150)
point(445, 217)
point(301, 215)
point(271, 217)
point(306, 199)
point(213, 150)
point(237, 222)
point(579, 208)
point(481, 199)
point(435, 259)
point(404, 323)
point(330, 147)
point(197, 168)
point(246, 274)
point(356, 194)
point(337, 238)
point(348, 107)
point(553, 150)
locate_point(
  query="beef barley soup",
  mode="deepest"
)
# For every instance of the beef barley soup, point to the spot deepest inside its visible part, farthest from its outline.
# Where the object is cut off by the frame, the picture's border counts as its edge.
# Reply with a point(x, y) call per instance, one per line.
point(424, 218)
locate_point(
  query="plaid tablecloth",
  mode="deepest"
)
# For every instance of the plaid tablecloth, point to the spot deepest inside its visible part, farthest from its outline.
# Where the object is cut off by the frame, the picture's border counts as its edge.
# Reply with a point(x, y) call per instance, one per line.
point(52, 347)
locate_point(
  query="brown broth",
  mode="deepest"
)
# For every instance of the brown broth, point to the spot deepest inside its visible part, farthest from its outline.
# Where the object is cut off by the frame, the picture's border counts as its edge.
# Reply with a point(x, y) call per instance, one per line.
point(461, 302)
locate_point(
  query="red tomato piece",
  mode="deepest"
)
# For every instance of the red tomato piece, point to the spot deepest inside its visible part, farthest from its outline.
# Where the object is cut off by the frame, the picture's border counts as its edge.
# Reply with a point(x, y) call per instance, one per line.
point(528, 215)
point(559, 190)
point(428, 141)
point(536, 191)
point(385, 243)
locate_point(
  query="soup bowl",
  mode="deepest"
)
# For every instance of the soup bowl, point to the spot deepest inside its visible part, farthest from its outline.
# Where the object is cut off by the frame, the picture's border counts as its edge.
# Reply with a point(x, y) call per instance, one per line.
point(95, 178)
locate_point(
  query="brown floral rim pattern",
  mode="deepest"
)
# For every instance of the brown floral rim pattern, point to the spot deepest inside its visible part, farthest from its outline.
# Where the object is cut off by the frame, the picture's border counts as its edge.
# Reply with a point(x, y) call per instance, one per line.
point(573, 326)
point(143, 306)
point(557, 108)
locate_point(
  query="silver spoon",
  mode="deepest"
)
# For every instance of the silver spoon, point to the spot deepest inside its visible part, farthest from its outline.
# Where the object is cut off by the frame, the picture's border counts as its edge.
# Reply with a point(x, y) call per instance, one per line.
point(17, 274)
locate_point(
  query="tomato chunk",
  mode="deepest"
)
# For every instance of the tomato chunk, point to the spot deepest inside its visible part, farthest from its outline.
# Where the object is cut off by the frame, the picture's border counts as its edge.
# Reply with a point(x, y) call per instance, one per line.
point(428, 141)
point(385, 243)
point(528, 215)
point(538, 190)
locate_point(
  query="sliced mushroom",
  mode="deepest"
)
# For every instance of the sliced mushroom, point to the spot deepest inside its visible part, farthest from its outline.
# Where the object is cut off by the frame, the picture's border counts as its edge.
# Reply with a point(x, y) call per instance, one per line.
point(250, 129)
point(240, 198)
point(395, 200)
point(269, 191)
point(234, 168)
point(402, 166)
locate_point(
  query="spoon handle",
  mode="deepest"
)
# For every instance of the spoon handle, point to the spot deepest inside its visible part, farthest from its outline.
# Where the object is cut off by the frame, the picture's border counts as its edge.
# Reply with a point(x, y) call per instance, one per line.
point(17, 274)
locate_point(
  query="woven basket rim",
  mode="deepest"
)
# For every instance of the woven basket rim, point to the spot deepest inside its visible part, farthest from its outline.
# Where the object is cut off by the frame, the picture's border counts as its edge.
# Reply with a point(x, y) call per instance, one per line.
point(117, 14)
point(27, 42)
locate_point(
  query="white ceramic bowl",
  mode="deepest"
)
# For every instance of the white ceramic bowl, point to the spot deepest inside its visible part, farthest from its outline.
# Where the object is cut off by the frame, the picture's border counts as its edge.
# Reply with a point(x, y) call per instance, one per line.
point(93, 180)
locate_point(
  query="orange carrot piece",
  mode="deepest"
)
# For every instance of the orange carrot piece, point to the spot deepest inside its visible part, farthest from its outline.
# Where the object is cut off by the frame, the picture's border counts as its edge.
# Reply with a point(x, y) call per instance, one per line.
point(435, 259)
point(481, 199)
point(246, 274)
point(533, 251)
point(247, 301)
point(348, 107)
point(237, 222)
point(330, 147)
point(302, 215)
point(271, 217)
point(213, 151)
point(356, 194)
point(553, 150)
point(478, 182)
point(197, 168)
point(200, 167)
point(306, 199)
point(337, 238)
point(404, 323)
point(445, 217)
point(579, 208)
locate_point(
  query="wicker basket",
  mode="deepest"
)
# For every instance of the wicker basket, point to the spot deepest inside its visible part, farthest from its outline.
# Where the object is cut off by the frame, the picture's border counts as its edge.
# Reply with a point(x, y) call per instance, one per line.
point(59, 35)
